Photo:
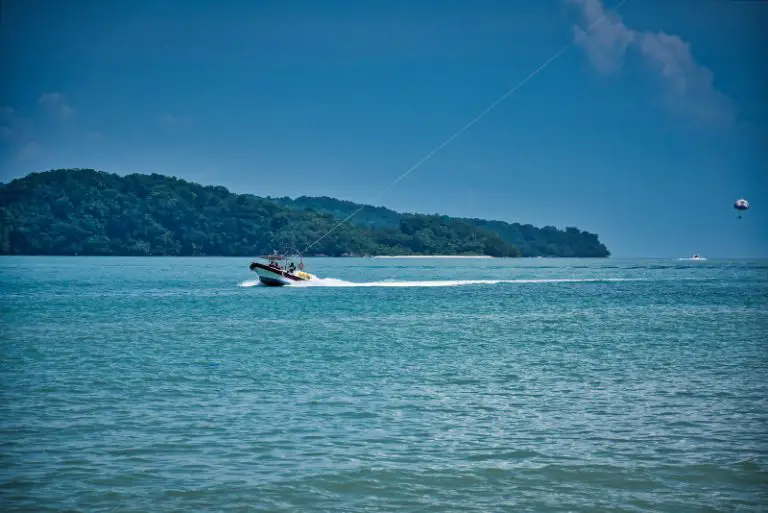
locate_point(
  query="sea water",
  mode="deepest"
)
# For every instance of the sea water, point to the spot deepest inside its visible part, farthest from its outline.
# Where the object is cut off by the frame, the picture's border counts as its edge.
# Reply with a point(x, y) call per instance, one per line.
point(180, 384)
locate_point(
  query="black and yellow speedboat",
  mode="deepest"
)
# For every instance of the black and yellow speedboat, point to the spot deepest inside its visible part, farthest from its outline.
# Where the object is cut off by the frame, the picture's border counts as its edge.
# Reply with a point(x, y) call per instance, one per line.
point(279, 270)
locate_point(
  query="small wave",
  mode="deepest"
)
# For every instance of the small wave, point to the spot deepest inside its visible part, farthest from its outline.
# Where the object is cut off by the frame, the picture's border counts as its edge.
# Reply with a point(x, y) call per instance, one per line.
point(334, 282)
point(250, 283)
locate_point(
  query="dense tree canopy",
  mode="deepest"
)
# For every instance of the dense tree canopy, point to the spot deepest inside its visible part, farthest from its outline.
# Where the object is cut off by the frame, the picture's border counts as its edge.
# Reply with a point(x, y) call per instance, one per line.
point(87, 212)
point(530, 241)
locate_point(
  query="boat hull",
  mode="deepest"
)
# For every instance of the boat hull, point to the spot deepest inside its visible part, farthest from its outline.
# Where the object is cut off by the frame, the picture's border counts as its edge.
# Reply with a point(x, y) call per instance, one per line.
point(277, 277)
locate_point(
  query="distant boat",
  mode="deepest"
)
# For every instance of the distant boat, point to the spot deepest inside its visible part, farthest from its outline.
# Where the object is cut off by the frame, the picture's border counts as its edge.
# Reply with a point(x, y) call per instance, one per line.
point(694, 257)
point(273, 274)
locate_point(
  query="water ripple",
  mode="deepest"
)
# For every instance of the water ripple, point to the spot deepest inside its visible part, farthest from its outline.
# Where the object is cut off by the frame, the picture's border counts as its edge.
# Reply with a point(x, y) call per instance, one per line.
point(146, 385)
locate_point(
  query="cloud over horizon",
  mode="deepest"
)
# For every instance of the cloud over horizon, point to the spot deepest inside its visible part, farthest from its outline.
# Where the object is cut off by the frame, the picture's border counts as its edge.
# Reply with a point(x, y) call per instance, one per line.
point(23, 135)
point(6, 120)
point(56, 104)
point(688, 87)
point(169, 120)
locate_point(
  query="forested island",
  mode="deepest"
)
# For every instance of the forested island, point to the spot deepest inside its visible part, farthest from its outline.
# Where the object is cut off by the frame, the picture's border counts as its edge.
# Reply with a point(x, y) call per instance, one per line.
point(89, 212)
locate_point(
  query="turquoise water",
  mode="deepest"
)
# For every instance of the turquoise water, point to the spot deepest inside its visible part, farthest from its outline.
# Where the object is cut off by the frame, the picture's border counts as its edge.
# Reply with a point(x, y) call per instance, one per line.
point(173, 384)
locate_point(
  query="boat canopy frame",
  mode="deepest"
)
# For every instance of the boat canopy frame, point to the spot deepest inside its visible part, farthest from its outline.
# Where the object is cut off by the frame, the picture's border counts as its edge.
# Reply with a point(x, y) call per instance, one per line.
point(286, 255)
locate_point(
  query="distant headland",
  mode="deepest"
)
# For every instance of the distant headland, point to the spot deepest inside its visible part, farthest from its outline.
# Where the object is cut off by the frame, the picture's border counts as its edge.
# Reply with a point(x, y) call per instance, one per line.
point(89, 212)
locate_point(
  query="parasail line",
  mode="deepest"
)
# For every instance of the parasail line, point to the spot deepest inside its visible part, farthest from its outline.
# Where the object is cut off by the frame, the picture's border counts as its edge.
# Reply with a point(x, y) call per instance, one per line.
point(469, 124)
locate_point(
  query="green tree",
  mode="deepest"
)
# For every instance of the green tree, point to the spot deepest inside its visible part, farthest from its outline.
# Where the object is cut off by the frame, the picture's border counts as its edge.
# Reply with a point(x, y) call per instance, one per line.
point(88, 212)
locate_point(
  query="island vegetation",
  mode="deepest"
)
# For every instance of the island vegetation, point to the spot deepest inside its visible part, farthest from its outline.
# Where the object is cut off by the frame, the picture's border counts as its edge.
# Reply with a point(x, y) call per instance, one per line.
point(528, 239)
point(89, 212)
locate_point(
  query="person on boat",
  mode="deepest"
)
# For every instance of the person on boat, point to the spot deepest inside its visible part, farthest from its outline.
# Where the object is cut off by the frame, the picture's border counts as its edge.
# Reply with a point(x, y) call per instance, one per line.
point(292, 268)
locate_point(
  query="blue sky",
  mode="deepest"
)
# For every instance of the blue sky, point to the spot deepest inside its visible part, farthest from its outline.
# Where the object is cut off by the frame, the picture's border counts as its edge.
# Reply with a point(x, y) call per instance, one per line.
point(645, 131)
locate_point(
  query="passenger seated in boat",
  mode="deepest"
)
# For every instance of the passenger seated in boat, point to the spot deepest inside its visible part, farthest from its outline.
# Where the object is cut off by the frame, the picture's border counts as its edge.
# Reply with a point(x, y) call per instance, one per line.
point(292, 267)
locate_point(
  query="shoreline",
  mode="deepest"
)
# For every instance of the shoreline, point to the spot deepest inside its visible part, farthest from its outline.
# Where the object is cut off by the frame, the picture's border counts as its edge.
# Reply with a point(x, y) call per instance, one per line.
point(475, 257)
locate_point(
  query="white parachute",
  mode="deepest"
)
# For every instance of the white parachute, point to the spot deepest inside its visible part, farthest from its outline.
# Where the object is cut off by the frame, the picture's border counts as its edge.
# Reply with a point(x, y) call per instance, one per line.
point(741, 205)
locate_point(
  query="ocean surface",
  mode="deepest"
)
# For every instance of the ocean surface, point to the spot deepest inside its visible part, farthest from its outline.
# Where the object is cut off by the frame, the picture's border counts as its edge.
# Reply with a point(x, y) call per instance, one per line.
point(430, 385)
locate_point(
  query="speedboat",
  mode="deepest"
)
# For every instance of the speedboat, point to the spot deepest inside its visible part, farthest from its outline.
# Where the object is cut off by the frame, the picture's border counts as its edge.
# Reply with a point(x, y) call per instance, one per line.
point(273, 274)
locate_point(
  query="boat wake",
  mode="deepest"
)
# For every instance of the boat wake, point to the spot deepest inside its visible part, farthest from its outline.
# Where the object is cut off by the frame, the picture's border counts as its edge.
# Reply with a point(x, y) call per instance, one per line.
point(333, 282)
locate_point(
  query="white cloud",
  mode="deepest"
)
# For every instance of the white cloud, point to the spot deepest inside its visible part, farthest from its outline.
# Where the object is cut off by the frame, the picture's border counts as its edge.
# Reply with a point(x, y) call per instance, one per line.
point(172, 121)
point(30, 151)
point(7, 119)
point(168, 120)
point(607, 40)
point(688, 86)
point(13, 127)
point(6, 113)
point(56, 104)
point(26, 134)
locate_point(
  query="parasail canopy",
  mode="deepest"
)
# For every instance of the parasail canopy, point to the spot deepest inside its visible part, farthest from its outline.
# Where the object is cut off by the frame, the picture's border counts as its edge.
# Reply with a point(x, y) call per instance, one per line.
point(741, 204)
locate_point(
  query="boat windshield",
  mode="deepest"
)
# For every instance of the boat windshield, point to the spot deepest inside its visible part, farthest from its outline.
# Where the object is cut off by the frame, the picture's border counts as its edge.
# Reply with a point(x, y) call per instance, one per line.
point(275, 258)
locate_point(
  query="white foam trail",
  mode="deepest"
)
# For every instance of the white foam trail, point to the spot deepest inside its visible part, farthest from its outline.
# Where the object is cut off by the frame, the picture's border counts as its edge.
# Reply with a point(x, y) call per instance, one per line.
point(333, 282)
point(250, 283)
